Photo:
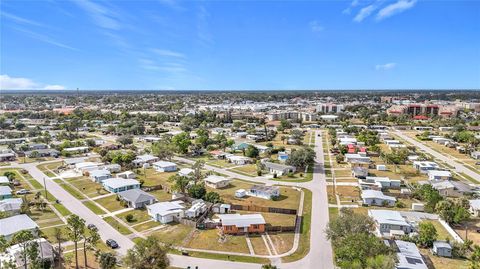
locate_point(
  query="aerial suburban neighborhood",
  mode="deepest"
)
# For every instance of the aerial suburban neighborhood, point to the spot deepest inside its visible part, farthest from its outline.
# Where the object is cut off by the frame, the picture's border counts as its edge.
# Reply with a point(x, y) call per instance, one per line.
point(239, 134)
point(240, 182)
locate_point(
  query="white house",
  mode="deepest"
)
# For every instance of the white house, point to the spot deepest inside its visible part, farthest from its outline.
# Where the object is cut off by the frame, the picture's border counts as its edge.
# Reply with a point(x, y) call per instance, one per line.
point(166, 212)
point(475, 207)
point(216, 182)
point(115, 185)
point(11, 205)
point(437, 175)
point(4, 180)
point(144, 159)
point(127, 174)
point(82, 167)
point(425, 166)
point(238, 160)
point(475, 155)
point(185, 172)
point(113, 168)
point(374, 197)
point(76, 150)
point(378, 183)
point(99, 175)
point(198, 208)
point(389, 223)
point(12, 225)
point(15, 253)
point(163, 166)
point(264, 192)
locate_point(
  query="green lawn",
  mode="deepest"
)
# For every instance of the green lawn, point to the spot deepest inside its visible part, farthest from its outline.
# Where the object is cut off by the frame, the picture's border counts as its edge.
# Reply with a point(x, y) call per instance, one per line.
point(139, 215)
point(161, 195)
point(304, 244)
point(110, 203)
point(72, 191)
point(94, 208)
point(115, 224)
point(173, 234)
point(208, 239)
point(87, 186)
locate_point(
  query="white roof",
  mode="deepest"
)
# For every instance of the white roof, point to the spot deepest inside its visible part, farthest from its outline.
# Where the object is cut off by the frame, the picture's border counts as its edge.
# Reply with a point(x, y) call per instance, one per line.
point(75, 148)
point(475, 204)
point(4, 180)
point(15, 224)
point(215, 179)
point(388, 217)
point(185, 171)
point(10, 204)
point(439, 173)
point(5, 190)
point(86, 164)
point(164, 164)
point(236, 157)
point(442, 185)
point(408, 256)
point(241, 220)
point(367, 194)
point(100, 172)
point(165, 208)
point(426, 164)
point(119, 182)
point(145, 158)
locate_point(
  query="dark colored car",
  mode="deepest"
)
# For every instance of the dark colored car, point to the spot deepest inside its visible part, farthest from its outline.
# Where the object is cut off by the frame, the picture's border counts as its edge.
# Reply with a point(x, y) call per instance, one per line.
point(91, 226)
point(111, 243)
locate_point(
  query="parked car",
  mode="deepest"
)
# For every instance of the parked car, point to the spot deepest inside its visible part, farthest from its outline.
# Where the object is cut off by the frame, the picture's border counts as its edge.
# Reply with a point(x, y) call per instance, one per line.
point(477, 163)
point(478, 231)
point(22, 192)
point(111, 243)
point(91, 226)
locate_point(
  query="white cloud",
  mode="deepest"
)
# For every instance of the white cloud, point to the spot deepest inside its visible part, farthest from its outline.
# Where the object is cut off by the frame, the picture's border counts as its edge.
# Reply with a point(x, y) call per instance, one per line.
point(101, 15)
point(395, 8)
point(353, 4)
point(44, 38)
point(20, 20)
point(18, 83)
point(384, 67)
point(365, 12)
point(316, 27)
point(169, 53)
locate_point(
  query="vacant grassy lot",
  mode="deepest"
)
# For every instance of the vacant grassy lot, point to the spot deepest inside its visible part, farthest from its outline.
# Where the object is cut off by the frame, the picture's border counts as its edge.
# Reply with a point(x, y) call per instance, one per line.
point(110, 203)
point(219, 163)
point(208, 239)
point(87, 186)
point(258, 245)
point(289, 198)
point(154, 178)
point(283, 242)
point(173, 234)
point(49, 166)
point(115, 224)
point(348, 193)
point(248, 169)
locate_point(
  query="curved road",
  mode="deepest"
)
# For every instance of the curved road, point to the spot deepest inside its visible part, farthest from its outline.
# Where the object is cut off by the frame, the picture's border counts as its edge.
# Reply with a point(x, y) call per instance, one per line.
point(319, 257)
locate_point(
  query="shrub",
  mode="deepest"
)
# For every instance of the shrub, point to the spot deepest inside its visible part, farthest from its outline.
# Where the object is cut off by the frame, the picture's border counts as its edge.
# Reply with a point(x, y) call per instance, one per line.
point(129, 218)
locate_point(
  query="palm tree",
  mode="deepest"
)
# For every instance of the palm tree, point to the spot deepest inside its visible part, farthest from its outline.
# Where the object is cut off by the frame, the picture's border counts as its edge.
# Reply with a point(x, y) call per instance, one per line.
point(58, 234)
point(75, 231)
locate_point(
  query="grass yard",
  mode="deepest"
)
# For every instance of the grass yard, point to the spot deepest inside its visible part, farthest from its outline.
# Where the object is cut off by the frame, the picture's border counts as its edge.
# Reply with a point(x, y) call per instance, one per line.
point(49, 166)
point(343, 173)
point(348, 193)
point(258, 245)
point(273, 219)
point(115, 224)
point(74, 192)
point(289, 198)
point(472, 226)
point(208, 239)
point(110, 203)
point(332, 213)
point(232, 258)
point(49, 233)
point(173, 234)
point(94, 208)
point(283, 242)
point(87, 186)
point(139, 215)
point(442, 232)
point(140, 227)
point(62, 209)
point(161, 195)
point(445, 263)
point(154, 178)
point(248, 169)
point(304, 243)
point(219, 163)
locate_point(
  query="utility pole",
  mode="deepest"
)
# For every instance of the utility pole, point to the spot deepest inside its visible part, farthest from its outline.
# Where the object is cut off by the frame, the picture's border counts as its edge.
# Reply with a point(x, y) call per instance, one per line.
point(45, 187)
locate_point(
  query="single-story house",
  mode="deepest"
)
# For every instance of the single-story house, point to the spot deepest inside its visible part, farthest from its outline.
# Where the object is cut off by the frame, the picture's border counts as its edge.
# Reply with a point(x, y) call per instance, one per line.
point(82, 167)
point(198, 208)
point(5, 192)
point(264, 192)
point(360, 172)
point(241, 224)
point(475, 207)
point(425, 166)
point(442, 249)
point(185, 172)
point(11, 205)
point(144, 159)
point(15, 253)
point(408, 255)
point(17, 223)
point(100, 175)
point(218, 154)
point(374, 197)
point(116, 185)
point(166, 212)
point(450, 188)
point(475, 155)
point(164, 166)
point(437, 175)
point(127, 174)
point(7, 155)
point(238, 160)
point(390, 223)
point(279, 169)
point(240, 146)
point(4, 180)
point(136, 198)
point(76, 150)
point(216, 182)
point(378, 183)
point(113, 168)
point(42, 153)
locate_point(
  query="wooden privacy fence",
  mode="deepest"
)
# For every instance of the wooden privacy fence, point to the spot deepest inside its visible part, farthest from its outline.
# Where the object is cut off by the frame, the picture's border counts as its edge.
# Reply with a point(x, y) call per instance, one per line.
point(255, 208)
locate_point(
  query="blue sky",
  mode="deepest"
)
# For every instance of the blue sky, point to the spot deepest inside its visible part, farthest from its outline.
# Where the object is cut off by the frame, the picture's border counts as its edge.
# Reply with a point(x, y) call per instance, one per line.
point(240, 45)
